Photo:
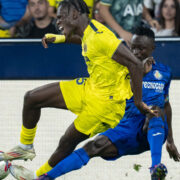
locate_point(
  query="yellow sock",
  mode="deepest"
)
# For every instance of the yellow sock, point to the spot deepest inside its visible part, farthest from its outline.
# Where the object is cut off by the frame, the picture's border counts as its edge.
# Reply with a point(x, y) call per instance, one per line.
point(27, 135)
point(43, 169)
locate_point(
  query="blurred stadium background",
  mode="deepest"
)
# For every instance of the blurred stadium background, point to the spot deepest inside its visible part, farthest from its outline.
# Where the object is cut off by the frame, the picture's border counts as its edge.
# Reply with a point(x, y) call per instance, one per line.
point(24, 65)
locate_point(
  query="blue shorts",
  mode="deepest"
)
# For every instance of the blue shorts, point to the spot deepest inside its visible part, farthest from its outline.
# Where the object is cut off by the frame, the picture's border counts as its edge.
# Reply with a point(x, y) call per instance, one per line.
point(129, 138)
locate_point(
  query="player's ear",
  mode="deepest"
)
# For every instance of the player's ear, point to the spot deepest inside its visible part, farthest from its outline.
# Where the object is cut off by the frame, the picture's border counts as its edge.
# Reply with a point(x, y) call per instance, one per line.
point(75, 14)
point(152, 46)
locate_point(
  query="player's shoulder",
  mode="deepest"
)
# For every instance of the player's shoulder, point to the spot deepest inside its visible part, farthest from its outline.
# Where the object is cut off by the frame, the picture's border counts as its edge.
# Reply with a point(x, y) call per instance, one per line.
point(101, 37)
point(162, 67)
point(101, 30)
point(162, 71)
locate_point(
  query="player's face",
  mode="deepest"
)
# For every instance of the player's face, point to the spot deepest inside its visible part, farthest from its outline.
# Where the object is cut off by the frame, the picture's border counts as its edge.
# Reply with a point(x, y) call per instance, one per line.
point(38, 8)
point(65, 21)
point(141, 46)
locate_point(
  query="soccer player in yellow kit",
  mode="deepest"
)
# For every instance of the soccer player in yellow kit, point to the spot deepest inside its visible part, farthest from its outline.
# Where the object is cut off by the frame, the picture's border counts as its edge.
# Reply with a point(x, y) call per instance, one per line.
point(99, 101)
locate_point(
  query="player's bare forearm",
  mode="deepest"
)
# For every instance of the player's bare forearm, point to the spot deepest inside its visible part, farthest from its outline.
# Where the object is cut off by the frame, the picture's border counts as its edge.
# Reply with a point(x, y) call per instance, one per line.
point(168, 113)
point(124, 56)
point(136, 74)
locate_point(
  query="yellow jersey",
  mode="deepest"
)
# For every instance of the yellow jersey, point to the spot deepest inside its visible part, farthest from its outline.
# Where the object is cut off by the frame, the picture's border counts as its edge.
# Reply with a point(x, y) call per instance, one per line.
point(90, 4)
point(108, 80)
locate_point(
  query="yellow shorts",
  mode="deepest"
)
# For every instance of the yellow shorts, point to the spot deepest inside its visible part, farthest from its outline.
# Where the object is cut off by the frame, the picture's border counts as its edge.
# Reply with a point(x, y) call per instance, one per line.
point(94, 116)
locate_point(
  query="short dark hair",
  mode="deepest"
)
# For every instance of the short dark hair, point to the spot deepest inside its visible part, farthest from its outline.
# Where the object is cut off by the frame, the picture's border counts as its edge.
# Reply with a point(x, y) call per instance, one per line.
point(79, 5)
point(144, 31)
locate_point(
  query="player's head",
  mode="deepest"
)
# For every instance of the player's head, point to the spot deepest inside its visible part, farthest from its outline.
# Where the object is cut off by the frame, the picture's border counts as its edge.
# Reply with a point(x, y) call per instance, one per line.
point(69, 14)
point(142, 42)
point(38, 8)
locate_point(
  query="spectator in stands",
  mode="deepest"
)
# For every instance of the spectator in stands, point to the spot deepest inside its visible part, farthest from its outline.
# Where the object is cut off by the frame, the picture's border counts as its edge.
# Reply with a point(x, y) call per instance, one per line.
point(54, 5)
point(96, 14)
point(122, 16)
point(153, 7)
point(41, 22)
point(169, 18)
point(11, 12)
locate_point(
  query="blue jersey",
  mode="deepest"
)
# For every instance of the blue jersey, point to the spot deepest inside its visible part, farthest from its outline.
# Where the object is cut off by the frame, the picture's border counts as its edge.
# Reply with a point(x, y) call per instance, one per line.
point(154, 89)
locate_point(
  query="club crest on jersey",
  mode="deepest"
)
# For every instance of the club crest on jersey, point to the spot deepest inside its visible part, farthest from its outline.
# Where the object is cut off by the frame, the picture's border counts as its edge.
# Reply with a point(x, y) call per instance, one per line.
point(157, 75)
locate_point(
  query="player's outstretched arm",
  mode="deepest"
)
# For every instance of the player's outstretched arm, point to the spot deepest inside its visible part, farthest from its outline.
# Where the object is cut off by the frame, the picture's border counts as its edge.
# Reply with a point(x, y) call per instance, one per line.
point(124, 56)
point(57, 38)
point(170, 146)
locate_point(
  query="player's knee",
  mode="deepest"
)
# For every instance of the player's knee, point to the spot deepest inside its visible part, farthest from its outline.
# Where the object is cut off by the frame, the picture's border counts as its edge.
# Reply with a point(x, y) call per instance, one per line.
point(28, 98)
point(93, 148)
point(100, 141)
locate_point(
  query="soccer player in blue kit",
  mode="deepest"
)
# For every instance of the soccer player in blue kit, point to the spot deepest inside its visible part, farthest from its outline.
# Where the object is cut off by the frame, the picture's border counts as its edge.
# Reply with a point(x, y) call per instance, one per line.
point(136, 132)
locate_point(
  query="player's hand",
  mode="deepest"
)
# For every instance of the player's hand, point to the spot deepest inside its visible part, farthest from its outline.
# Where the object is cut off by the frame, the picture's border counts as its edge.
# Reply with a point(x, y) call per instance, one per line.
point(145, 109)
point(52, 38)
point(148, 62)
point(172, 150)
point(45, 41)
point(126, 36)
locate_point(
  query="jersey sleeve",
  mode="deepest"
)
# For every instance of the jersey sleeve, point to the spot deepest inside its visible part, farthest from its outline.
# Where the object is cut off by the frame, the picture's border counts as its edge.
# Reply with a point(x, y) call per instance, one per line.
point(107, 44)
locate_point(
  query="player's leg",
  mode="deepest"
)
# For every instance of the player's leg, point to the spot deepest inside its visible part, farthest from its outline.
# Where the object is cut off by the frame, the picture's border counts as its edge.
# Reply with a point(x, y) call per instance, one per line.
point(45, 96)
point(49, 95)
point(103, 145)
point(66, 95)
point(156, 137)
point(110, 145)
point(85, 125)
point(66, 146)
point(100, 146)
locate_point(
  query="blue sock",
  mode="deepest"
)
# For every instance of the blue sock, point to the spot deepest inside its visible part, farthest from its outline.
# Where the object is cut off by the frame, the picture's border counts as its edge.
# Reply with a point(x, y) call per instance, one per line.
point(156, 134)
point(74, 161)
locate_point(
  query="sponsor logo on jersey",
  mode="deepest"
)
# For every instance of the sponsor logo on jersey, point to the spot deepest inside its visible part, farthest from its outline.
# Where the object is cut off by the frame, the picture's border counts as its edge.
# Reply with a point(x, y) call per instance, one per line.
point(157, 75)
point(158, 87)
